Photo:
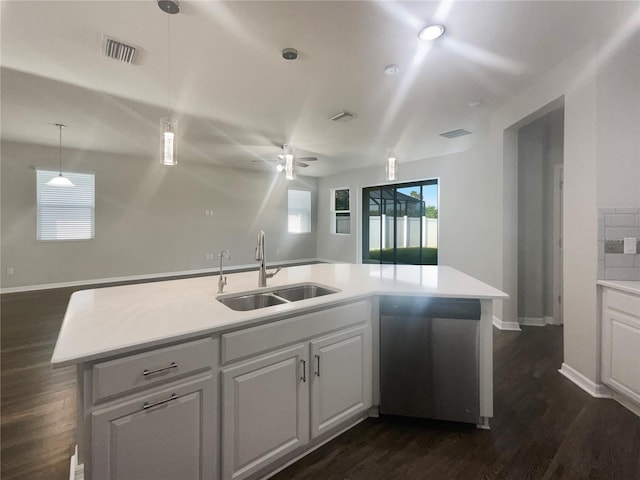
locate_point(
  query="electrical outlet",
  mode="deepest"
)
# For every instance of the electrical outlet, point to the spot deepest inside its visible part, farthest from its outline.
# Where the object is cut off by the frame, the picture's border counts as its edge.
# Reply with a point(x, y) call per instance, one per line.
point(208, 213)
point(11, 270)
point(630, 245)
point(209, 256)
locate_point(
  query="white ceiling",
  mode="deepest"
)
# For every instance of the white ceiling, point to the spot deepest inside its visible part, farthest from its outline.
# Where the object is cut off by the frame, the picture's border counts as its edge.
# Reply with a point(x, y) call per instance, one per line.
point(237, 99)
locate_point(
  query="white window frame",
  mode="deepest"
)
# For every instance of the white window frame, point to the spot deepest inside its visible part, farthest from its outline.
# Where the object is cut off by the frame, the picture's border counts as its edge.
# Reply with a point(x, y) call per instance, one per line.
point(302, 212)
point(334, 211)
point(65, 213)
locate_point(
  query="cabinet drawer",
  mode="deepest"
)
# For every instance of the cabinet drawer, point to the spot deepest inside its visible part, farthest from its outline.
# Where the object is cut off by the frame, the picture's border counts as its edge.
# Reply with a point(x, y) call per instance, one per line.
point(130, 373)
point(254, 340)
point(623, 302)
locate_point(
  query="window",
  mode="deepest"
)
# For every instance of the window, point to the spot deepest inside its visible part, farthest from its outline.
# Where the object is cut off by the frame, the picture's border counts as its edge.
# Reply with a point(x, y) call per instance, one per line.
point(340, 211)
point(400, 223)
point(65, 213)
point(299, 211)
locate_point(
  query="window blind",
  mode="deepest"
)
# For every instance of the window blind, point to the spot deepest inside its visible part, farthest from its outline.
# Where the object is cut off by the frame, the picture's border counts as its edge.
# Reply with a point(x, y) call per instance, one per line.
point(65, 213)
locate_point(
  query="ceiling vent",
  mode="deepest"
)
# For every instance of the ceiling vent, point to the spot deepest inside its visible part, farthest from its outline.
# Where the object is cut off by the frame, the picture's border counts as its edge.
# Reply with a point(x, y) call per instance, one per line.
point(343, 117)
point(460, 132)
point(119, 51)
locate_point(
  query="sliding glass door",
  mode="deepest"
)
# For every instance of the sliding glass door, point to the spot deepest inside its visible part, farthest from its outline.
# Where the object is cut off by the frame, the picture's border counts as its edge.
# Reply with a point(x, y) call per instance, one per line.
point(400, 223)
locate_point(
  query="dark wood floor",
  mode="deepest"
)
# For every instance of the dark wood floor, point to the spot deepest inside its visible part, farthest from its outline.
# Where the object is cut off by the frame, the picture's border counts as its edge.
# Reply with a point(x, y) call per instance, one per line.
point(544, 426)
point(38, 403)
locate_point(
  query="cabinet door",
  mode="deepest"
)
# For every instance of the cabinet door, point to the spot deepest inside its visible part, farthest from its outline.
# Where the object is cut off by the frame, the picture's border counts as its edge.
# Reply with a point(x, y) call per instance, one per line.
point(621, 353)
point(341, 383)
point(166, 435)
point(265, 410)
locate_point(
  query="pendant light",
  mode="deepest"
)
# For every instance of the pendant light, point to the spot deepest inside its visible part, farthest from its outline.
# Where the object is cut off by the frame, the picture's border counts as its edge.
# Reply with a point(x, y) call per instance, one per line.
point(168, 124)
point(60, 180)
point(392, 165)
point(289, 162)
point(290, 55)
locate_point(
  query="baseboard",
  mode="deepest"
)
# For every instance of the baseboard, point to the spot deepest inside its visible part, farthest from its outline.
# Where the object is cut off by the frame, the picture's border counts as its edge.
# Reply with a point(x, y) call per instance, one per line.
point(551, 321)
point(531, 321)
point(329, 260)
point(594, 389)
point(154, 276)
point(630, 405)
point(537, 321)
point(500, 325)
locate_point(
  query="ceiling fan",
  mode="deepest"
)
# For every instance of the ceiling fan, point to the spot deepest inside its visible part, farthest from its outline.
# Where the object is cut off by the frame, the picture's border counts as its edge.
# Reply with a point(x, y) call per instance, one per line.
point(287, 161)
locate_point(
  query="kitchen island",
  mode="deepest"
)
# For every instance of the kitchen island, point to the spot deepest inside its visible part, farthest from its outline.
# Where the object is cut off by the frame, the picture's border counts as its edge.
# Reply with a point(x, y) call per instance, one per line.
point(174, 384)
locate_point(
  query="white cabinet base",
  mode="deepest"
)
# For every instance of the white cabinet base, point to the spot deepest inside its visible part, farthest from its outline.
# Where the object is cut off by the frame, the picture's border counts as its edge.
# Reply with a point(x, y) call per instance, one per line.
point(620, 346)
point(265, 405)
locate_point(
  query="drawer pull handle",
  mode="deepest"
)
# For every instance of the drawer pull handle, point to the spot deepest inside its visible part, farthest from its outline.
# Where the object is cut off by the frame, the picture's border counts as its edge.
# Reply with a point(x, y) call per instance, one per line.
point(151, 372)
point(304, 370)
point(317, 365)
point(161, 402)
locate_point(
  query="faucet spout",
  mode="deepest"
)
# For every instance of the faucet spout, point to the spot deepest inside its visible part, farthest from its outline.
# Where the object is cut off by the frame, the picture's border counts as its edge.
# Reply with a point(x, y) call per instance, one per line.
point(261, 259)
point(222, 281)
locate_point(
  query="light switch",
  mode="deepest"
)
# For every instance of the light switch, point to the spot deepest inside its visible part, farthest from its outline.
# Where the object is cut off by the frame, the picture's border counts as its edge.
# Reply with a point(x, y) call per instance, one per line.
point(630, 244)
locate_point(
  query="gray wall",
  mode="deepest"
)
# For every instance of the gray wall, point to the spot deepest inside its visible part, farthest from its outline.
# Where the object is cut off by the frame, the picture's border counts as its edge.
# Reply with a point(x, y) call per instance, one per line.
point(468, 228)
point(149, 219)
point(540, 147)
point(600, 85)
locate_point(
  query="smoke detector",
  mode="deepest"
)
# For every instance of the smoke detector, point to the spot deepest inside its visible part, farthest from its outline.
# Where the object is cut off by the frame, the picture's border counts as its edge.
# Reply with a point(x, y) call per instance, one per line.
point(289, 53)
point(169, 6)
point(118, 50)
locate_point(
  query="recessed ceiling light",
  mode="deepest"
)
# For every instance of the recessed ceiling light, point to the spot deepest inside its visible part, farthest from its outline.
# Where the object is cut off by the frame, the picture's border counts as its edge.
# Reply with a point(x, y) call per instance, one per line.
point(431, 32)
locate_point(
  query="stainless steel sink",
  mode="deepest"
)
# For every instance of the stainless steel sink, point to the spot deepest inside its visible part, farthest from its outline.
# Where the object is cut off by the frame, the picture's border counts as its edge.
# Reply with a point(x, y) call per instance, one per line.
point(274, 296)
point(302, 292)
point(251, 301)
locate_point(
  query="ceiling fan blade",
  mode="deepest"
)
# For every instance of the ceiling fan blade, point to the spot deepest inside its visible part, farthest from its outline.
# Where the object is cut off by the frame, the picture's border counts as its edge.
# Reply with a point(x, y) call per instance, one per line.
point(308, 159)
point(300, 164)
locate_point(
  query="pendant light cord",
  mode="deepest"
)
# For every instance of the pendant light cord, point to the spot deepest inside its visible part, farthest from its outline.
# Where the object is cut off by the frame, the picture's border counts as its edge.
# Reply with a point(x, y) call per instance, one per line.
point(169, 66)
point(60, 127)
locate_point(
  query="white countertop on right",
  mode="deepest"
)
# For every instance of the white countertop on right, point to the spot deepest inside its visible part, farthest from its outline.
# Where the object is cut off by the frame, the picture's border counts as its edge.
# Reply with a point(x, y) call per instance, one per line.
point(629, 286)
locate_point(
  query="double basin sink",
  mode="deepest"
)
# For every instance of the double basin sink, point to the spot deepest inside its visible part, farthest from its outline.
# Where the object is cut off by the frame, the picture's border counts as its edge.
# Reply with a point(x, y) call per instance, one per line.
point(274, 296)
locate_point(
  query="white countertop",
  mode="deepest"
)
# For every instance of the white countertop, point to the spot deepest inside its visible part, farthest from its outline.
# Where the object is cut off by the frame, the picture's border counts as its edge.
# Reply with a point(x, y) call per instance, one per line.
point(629, 286)
point(112, 320)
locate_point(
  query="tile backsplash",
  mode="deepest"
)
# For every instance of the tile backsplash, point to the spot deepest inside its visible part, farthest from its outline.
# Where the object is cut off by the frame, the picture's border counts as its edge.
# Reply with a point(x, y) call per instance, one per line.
point(614, 225)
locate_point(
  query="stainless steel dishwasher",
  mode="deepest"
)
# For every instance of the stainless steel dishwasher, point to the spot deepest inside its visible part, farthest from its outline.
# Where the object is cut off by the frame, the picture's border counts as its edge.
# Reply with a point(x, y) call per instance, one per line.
point(429, 358)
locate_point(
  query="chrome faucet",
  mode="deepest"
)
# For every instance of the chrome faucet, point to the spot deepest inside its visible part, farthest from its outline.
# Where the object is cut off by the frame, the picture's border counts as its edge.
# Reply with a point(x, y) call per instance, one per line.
point(222, 281)
point(261, 257)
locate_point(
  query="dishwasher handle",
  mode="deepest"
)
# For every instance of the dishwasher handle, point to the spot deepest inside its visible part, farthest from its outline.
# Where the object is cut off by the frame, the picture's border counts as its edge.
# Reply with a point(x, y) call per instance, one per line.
point(428, 307)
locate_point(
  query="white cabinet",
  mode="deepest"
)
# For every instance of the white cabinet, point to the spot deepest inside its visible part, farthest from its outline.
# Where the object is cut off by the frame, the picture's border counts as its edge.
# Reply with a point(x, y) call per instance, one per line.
point(161, 436)
point(275, 402)
point(265, 410)
point(152, 415)
point(620, 367)
point(341, 383)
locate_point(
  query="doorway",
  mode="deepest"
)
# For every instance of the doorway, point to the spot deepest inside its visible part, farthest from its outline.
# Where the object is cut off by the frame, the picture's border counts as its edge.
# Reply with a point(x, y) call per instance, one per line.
point(400, 223)
point(540, 158)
